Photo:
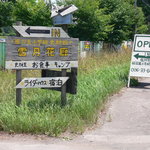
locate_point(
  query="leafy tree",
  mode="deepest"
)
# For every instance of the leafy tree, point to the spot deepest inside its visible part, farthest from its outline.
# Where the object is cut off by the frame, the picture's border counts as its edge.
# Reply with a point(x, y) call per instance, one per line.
point(145, 5)
point(32, 13)
point(124, 19)
point(109, 20)
point(98, 20)
point(92, 24)
point(6, 10)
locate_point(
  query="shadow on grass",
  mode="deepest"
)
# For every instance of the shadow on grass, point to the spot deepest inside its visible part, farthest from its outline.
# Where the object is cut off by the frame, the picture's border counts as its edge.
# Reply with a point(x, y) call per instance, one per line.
point(44, 103)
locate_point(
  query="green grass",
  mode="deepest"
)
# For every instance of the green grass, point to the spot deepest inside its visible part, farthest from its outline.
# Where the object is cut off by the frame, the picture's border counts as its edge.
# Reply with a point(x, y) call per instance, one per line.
point(40, 113)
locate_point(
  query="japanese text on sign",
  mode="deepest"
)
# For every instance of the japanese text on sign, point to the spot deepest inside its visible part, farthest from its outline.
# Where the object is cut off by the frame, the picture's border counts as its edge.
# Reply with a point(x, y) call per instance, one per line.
point(50, 52)
point(38, 42)
point(42, 82)
point(41, 64)
point(140, 64)
point(41, 49)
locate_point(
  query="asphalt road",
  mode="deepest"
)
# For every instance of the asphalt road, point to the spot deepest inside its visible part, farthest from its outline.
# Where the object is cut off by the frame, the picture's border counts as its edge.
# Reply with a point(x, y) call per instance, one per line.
point(125, 126)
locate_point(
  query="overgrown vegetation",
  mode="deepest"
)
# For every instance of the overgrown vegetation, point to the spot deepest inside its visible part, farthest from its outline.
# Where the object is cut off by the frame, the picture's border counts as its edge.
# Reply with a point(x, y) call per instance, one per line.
point(40, 113)
point(111, 21)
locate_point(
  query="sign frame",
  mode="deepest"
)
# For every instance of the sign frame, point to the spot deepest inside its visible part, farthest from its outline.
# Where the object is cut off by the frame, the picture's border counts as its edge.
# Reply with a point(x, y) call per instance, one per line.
point(19, 51)
point(139, 67)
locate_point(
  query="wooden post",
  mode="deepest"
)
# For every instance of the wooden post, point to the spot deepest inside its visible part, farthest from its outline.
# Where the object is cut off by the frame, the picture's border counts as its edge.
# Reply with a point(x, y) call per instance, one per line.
point(18, 77)
point(64, 73)
point(63, 90)
point(18, 91)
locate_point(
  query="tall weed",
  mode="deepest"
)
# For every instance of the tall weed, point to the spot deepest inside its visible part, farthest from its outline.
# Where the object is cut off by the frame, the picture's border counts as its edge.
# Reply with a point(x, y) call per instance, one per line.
point(99, 77)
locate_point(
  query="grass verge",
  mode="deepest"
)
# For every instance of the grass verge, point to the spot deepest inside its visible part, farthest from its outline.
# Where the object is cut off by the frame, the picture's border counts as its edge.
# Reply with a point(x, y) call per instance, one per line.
point(40, 113)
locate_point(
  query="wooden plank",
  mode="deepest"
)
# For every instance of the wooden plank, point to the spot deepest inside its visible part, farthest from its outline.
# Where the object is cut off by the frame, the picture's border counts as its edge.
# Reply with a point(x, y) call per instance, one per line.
point(40, 31)
point(52, 82)
point(18, 91)
point(37, 49)
point(36, 41)
point(63, 90)
point(69, 10)
point(71, 84)
point(24, 65)
point(14, 57)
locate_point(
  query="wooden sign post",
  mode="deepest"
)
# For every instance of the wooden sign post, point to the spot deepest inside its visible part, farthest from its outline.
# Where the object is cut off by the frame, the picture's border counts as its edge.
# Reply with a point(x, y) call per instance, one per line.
point(24, 53)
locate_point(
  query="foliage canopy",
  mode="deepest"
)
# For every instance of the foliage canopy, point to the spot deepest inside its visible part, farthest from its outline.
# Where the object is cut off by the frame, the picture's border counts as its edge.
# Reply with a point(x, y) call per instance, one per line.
point(111, 21)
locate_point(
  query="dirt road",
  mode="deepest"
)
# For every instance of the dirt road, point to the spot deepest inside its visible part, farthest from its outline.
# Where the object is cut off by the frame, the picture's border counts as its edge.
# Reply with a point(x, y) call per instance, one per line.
point(126, 127)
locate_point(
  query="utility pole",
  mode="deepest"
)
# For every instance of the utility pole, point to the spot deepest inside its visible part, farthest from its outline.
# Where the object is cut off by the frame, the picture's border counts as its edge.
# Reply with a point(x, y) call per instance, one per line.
point(135, 3)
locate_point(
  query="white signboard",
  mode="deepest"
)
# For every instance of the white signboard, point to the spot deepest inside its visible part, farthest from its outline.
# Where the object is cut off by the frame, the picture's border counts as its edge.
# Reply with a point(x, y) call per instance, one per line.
point(40, 31)
point(42, 82)
point(16, 65)
point(140, 63)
